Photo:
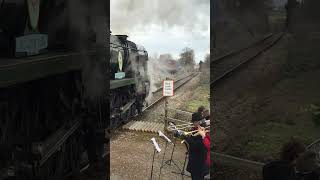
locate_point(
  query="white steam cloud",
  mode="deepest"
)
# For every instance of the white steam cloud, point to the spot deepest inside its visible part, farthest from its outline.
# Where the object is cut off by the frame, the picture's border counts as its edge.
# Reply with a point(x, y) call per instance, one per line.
point(128, 14)
point(164, 26)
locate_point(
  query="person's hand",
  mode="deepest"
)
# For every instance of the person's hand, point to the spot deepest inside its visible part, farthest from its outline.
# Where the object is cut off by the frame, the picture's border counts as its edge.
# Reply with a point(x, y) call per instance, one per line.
point(202, 131)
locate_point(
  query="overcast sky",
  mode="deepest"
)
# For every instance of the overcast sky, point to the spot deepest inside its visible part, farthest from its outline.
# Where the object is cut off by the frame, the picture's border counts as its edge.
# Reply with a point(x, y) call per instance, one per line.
point(164, 26)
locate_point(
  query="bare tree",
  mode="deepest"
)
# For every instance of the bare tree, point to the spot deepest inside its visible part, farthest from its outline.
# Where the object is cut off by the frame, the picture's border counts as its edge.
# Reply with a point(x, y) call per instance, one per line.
point(187, 58)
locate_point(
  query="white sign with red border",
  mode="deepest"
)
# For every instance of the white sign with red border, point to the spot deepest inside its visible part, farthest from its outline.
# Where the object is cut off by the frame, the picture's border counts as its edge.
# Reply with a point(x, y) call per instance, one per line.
point(167, 89)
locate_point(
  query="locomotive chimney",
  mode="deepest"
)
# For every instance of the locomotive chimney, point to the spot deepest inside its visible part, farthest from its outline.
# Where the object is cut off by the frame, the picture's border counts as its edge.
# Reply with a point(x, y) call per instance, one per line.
point(122, 37)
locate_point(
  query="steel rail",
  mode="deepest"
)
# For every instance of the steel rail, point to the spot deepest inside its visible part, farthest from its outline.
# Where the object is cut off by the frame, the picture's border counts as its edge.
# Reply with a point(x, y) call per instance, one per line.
point(252, 57)
point(159, 89)
point(232, 53)
point(192, 75)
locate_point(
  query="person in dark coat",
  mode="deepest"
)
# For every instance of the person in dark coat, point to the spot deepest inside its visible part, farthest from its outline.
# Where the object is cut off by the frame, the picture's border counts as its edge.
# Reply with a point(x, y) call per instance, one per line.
point(199, 153)
point(284, 169)
point(197, 116)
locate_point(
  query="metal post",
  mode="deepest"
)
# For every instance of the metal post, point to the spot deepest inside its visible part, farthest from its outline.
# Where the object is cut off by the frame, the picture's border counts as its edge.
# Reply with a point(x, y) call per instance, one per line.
point(154, 153)
point(165, 115)
point(174, 145)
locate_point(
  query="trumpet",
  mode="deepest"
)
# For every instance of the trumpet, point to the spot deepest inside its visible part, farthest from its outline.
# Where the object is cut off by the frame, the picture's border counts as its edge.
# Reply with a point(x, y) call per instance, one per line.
point(179, 132)
point(207, 129)
point(187, 125)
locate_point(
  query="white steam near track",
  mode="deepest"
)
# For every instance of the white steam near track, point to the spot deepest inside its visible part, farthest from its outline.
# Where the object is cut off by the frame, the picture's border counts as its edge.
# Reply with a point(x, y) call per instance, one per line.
point(164, 26)
point(156, 75)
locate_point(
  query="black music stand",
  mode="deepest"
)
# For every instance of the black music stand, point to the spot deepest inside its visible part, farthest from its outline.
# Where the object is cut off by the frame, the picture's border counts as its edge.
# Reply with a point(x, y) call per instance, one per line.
point(154, 154)
point(182, 171)
point(155, 148)
point(164, 154)
point(168, 162)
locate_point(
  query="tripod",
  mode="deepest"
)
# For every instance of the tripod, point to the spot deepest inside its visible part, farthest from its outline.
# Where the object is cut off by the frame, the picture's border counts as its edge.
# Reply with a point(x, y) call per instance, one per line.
point(182, 171)
point(168, 162)
point(171, 161)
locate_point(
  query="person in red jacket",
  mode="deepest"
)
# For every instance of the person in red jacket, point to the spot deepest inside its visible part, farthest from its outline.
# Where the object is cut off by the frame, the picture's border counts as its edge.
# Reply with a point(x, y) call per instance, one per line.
point(206, 141)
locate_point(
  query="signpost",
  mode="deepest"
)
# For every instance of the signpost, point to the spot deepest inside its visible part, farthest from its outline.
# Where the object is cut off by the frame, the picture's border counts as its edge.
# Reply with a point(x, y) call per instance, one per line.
point(167, 90)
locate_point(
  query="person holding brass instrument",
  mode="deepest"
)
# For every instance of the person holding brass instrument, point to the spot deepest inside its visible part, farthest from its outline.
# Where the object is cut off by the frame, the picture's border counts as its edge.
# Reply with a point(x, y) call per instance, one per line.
point(199, 153)
point(198, 115)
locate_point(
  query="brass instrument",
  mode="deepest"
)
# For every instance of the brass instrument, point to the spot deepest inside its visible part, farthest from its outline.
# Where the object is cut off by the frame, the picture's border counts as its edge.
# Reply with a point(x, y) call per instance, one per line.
point(183, 130)
point(196, 131)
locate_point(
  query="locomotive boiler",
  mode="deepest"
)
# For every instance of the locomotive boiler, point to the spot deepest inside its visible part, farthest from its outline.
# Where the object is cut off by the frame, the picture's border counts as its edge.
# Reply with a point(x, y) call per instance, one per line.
point(53, 87)
point(129, 83)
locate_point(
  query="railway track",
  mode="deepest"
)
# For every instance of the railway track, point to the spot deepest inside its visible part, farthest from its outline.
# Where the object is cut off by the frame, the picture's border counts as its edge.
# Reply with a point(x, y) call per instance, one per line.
point(175, 80)
point(157, 96)
point(225, 65)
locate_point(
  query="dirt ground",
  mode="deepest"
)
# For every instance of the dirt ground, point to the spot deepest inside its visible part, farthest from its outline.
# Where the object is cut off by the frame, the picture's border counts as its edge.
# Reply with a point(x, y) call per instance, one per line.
point(131, 157)
point(131, 152)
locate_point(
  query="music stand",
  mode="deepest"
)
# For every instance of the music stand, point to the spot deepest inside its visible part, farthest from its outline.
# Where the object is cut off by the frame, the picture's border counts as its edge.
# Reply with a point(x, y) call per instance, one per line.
point(154, 154)
point(171, 160)
point(164, 154)
point(168, 162)
point(155, 148)
point(182, 171)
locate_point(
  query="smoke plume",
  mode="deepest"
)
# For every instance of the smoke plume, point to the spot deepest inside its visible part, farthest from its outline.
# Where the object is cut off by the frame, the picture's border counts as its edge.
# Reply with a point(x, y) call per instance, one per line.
point(157, 73)
point(129, 14)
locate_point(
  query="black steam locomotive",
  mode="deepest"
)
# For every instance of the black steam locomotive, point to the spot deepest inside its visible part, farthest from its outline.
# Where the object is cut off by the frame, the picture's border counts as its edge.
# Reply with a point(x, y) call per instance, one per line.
point(129, 83)
point(53, 87)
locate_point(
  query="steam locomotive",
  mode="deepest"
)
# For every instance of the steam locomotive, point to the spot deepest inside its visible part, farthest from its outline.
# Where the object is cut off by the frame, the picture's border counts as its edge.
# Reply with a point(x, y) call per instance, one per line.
point(129, 83)
point(53, 87)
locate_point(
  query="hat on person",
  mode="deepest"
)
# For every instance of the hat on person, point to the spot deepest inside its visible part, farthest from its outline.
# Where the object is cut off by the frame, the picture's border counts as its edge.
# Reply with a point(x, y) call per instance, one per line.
point(196, 117)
